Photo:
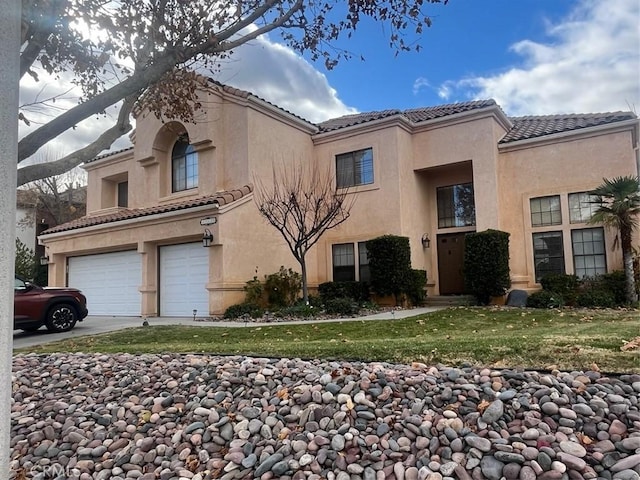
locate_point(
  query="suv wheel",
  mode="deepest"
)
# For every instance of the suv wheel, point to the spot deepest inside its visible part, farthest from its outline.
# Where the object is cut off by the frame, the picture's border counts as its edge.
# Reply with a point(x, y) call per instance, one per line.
point(61, 318)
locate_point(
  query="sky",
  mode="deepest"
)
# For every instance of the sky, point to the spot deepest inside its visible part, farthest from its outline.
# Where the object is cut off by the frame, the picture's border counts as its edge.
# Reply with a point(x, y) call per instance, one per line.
point(534, 57)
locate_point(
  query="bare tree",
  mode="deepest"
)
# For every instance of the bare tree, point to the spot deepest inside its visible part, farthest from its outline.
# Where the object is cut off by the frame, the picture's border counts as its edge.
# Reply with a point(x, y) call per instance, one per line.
point(302, 204)
point(144, 49)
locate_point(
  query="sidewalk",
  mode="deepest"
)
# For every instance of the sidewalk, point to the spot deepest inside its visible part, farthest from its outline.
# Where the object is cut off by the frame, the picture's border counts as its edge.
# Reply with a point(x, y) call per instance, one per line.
point(386, 315)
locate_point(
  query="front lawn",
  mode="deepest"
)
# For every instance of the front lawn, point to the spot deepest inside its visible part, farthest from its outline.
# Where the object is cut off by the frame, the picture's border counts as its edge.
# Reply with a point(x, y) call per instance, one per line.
point(499, 337)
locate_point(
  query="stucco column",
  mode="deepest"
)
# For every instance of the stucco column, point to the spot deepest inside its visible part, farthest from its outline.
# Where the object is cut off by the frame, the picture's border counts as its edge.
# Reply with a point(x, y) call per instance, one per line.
point(9, 73)
point(149, 287)
point(485, 186)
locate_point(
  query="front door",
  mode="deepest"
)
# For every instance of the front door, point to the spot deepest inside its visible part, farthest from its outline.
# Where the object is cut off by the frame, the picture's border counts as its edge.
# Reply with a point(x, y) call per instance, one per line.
point(450, 263)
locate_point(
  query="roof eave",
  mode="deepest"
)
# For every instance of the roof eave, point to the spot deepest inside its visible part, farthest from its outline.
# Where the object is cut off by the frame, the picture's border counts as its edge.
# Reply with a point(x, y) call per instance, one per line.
point(632, 125)
point(396, 120)
point(126, 222)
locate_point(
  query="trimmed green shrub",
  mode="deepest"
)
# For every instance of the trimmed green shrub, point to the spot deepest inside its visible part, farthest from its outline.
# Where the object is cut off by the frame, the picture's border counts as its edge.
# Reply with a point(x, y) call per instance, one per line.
point(341, 306)
point(416, 291)
point(596, 298)
point(486, 264)
point(615, 283)
point(545, 299)
point(241, 309)
point(563, 284)
point(390, 265)
point(358, 291)
point(283, 287)
point(298, 310)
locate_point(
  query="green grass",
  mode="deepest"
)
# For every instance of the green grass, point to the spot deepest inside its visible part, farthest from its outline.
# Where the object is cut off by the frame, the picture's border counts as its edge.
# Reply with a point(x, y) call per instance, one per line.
point(499, 337)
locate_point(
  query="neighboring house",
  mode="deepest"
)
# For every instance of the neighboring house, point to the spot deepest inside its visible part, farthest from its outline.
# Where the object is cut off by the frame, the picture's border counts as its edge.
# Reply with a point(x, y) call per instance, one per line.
point(431, 174)
point(37, 211)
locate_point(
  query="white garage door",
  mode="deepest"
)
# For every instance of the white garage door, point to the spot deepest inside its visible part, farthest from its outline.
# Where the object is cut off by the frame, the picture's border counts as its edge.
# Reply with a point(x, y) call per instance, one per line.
point(184, 274)
point(110, 281)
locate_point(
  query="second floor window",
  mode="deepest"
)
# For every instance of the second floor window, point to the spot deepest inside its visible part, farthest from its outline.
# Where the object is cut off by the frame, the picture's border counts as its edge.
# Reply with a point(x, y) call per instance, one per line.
point(184, 167)
point(123, 194)
point(456, 206)
point(354, 168)
point(545, 211)
point(582, 206)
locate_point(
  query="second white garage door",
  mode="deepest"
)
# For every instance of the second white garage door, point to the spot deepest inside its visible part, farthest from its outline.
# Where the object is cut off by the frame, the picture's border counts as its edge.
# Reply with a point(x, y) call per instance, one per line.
point(110, 281)
point(184, 274)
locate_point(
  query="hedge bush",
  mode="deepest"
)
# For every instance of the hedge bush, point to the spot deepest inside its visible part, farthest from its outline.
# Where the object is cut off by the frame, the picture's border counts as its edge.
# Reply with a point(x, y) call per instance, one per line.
point(241, 309)
point(341, 306)
point(545, 299)
point(390, 265)
point(564, 284)
point(416, 290)
point(358, 291)
point(486, 264)
point(298, 310)
point(596, 298)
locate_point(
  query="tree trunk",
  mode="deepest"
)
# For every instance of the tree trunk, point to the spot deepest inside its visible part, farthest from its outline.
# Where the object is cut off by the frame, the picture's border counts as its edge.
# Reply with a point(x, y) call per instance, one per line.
point(627, 258)
point(305, 288)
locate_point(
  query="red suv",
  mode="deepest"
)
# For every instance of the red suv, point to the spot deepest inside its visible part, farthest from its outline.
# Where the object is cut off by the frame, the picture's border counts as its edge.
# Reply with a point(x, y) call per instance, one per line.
point(57, 308)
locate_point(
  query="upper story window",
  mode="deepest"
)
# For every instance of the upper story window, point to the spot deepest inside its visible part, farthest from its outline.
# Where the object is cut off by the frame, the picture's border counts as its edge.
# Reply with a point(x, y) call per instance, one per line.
point(354, 168)
point(545, 211)
point(123, 194)
point(582, 206)
point(184, 166)
point(456, 206)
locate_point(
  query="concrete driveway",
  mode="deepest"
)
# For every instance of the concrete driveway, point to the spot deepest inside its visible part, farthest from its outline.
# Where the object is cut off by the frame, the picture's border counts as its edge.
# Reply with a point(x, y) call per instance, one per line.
point(94, 325)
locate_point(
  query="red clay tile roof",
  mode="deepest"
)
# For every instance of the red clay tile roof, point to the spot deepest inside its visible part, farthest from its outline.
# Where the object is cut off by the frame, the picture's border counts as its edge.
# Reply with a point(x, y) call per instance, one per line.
point(538, 126)
point(414, 115)
point(219, 199)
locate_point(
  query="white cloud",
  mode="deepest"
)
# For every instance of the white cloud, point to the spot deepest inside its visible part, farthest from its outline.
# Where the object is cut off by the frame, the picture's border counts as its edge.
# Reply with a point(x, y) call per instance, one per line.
point(591, 63)
point(277, 74)
point(419, 84)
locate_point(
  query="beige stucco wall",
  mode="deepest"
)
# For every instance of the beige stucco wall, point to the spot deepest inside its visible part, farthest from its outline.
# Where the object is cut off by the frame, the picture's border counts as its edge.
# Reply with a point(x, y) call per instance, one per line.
point(570, 165)
point(239, 141)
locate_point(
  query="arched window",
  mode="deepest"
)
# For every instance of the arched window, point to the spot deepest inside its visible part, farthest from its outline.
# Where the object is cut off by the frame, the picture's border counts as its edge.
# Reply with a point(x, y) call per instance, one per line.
point(184, 166)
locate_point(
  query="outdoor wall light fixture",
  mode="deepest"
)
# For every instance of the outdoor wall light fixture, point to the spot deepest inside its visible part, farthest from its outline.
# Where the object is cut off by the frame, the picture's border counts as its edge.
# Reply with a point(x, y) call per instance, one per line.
point(44, 260)
point(426, 241)
point(207, 238)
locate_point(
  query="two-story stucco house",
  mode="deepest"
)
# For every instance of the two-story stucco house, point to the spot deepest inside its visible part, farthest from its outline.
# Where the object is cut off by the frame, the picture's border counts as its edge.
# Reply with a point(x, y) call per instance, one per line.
point(430, 174)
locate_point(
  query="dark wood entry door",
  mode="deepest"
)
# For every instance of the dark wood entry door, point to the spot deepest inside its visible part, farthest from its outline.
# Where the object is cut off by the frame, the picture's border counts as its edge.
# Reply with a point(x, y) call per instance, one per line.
point(450, 263)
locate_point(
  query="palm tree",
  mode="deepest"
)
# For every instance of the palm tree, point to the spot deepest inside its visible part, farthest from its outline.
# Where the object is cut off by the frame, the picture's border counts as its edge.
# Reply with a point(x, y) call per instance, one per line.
point(618, 203)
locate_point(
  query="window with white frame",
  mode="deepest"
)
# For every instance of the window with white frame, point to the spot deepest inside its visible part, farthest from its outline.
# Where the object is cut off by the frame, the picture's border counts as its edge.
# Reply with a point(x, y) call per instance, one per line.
point(589, 257)
point(354, 168)
point(582, 206)
point(184, 166)
point(545, 211)
point(548, 253)
point(344, 257)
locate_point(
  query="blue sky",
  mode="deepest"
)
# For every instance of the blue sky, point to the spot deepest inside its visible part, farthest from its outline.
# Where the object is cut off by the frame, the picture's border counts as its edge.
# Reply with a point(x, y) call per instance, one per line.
point(533, 57)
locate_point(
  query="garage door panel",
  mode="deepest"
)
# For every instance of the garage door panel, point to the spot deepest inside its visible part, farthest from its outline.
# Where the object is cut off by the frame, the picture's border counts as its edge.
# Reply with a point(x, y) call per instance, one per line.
point(110, 282)
point(184, 274)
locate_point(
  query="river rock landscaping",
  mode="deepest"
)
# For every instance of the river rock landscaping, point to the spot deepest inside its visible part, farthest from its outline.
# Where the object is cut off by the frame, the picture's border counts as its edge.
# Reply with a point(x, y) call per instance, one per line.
point(170, 417)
